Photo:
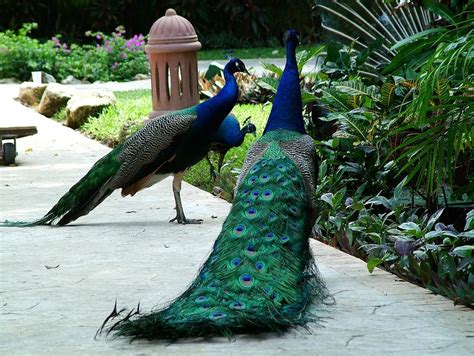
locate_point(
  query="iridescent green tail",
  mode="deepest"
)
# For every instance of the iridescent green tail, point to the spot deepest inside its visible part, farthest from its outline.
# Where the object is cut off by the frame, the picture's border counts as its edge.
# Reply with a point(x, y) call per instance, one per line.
point(83, 196)
point(260, 275)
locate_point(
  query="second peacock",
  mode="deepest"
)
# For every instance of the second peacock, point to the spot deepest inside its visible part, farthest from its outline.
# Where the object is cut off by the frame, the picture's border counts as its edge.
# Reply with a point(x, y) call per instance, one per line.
point(229, 135)
point(260, 275)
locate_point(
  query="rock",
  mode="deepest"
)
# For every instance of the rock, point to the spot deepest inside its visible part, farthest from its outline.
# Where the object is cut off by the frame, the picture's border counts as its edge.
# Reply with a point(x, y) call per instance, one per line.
point(9, 81)
point(31, 93)
point(141, 77)
point(47, 78)
point(71, 80)
point(55, 97)
point(85, 104)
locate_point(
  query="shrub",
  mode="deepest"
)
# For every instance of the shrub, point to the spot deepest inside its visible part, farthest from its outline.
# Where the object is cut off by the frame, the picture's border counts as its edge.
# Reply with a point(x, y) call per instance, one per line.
point(20, 54)
point(114, 57)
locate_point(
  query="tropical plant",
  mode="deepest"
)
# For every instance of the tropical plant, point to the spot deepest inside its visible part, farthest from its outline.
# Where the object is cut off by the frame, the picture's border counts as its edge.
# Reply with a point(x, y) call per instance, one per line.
point(437, 126)
point(391, 233)
point(363, 23)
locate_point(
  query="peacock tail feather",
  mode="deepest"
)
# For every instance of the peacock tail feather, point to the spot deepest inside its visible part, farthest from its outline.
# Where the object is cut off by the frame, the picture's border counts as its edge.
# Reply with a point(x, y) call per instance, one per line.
point(83, 196)
point(260, 275)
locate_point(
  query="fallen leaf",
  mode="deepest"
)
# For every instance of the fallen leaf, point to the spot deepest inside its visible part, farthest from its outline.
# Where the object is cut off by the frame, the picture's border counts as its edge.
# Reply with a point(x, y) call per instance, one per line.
point(51, 267)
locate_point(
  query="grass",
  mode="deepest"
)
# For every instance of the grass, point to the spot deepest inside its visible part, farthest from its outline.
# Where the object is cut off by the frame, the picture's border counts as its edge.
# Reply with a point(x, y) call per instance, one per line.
point(246, 53)
point(132, 107)
point(59, 115)
point(119, 121)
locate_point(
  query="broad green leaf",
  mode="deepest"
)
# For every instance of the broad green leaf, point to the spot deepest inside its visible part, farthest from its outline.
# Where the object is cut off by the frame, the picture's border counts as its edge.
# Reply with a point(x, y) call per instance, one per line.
point(328, 197)
point(372, 263)
point(273, 68)
point(469, 220)
point(397, 192)
point(305, 56)
point(268, 83)
point(405, 55)
point(357, 206)
point(434, 218)
point(323, 167)
point(438, 8)
point(380, 200)
point(308, 98)
point(469, 234)
point(433, 234)
point(417, 36)
point(332, 52)
point(448, 266)
point(463, 251)
point(215, 68)
point(409, 226)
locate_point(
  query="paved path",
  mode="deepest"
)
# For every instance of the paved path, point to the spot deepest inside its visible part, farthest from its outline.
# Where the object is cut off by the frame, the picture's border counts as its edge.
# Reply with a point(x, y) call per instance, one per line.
point(58, 284)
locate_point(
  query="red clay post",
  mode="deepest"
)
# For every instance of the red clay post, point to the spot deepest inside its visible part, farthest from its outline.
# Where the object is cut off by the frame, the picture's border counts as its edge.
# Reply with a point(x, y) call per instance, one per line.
point(172, 48)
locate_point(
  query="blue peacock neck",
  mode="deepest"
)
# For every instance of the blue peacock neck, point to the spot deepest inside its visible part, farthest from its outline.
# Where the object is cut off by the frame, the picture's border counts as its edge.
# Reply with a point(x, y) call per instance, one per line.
point(287, 107)
point(212, 112)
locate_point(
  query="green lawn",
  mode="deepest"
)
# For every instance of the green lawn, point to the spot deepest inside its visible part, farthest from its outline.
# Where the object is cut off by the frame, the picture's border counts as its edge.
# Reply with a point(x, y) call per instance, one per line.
point(247, 53)
point(132, 107)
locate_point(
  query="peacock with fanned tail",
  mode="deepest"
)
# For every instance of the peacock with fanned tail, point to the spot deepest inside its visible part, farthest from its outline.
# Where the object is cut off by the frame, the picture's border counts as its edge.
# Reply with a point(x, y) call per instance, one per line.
point(166, 145)
point(260, 275)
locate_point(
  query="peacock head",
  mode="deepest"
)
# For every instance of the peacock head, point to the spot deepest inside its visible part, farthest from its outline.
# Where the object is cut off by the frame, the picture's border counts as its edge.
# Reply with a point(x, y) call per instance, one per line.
point(236, 65)
point(250, 129)
point(292, 36)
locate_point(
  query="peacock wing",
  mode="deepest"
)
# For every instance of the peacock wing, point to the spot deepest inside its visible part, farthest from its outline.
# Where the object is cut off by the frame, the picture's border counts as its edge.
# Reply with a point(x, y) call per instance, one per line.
point(150, 147)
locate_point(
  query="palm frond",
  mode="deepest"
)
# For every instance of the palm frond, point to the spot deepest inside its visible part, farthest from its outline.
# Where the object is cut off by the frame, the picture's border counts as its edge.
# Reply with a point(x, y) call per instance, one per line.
point(363, 22)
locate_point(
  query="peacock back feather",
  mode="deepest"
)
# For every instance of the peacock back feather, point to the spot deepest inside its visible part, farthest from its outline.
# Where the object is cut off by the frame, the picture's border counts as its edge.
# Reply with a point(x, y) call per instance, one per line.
point(260, 275)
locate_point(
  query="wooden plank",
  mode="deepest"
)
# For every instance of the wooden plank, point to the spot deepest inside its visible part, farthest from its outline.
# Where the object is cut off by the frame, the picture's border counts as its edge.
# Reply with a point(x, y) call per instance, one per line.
point(19, 131)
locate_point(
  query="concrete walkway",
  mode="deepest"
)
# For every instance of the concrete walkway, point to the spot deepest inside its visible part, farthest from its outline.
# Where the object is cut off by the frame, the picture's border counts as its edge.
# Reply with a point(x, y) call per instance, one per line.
point(58, 284)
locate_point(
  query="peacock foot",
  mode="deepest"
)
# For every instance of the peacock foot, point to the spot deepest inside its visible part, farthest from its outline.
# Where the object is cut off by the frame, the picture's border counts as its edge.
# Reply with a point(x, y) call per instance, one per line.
point(184, 221)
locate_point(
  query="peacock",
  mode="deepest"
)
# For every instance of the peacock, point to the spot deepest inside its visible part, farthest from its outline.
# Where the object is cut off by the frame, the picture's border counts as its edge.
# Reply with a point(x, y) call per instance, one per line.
point(228, 136)
point(166, 145)
point(260, 275)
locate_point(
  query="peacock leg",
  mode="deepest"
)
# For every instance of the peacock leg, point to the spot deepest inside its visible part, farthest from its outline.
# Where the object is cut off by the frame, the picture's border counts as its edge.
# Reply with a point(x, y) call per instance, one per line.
point(220, 162)
point(212, 170)
point(180, 217)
